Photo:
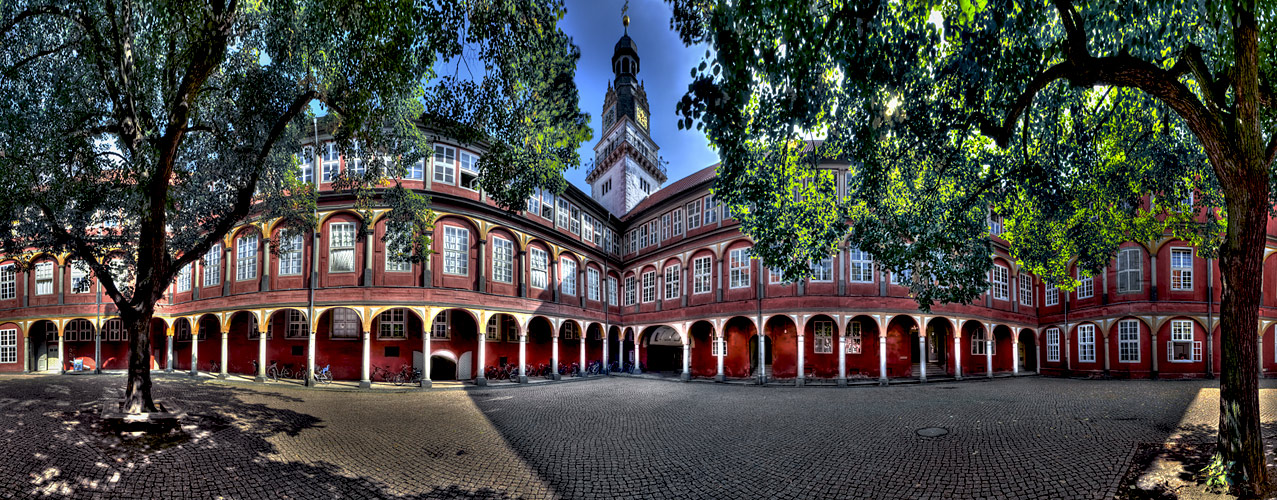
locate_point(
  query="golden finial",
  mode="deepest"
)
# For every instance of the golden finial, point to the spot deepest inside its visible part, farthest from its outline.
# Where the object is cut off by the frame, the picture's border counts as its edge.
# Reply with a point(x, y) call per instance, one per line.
point(625, 17)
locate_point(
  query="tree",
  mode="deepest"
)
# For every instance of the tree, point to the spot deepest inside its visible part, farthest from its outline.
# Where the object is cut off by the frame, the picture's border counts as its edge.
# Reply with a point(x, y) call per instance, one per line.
point(1063, 117)
point(136, 135)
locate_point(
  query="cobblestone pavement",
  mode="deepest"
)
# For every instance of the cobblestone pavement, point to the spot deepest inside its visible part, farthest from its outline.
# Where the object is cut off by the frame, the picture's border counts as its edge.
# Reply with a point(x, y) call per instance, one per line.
point(609, 438)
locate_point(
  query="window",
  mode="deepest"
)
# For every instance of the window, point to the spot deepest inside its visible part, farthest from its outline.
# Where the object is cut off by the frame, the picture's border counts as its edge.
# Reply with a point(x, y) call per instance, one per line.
point(295, 326)
point(417, 170)
point(345, 323)
point(592, 283)
point(547, 205)
point(862, 266)
point(213, 266)
point(355, 164)
point(290, 255)
point(329, 162)
point(341, 247)
point(1181, 269)
point(1026, 290)
point(1085, 287)
point(564, 212)
point(605, 187)
point(665, 228)
point(456, 250)
point(1053, 344)
point(78, 330)
point(540, 267)
point(1086, 343)
point(397, 260)
point(823, 270)
point(468, 166)
point(246, 257)
point(1181, 348)
point(853, 338)
point(81, 282)
point(643, 236)
point(739, 268)
point(392, 325)
point(998, 285)
point(693, 215)
point(716, 347)
point(44, 278)
point(823, 339)
point(306, 166)
point(183, 279)
point(114, 330)
point(978, 340)
point(1052, 295)
point(649, 286)
point(574, 222)
point(8, 281)
point(445, 164)
point(701, 273)
point(672, 281)
point(645, 186)
point(676, 220)
point(711, 210)
point(567, 279)
point(902, 277)
point(1128, 341)
point(630, 292)
point(9, 346)
point(120, 272)
point(502, 260)
point(1128, 270)
point(587, 227)
point(775, 276)
point(534, 202)
point(611, 290)
point(439, 327)
point(995, 224)
point(493, 331)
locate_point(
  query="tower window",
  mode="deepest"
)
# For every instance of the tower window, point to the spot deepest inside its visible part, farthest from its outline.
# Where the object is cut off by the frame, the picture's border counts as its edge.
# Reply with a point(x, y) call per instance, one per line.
point(605, 188)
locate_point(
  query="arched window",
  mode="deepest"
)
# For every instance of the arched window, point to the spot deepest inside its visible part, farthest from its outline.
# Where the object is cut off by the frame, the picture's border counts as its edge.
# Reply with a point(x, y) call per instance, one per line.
point(114, 330)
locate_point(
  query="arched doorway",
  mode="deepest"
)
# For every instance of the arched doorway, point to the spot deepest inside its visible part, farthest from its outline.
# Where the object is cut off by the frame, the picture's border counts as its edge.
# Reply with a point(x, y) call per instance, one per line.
point(627, 352)
point(663, 350)
point(901, 358)
point(442, 366)
point(1028, 352)
point(742, 347)
point(593, 345)
point(753, 354)
point(44, 346)
point(939, 347)
point(704, 362)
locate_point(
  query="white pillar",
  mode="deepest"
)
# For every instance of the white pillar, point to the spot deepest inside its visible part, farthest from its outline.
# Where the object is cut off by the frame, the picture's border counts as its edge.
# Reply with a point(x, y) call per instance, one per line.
point(1037, 354)
point(261, 353)
point(603, 362)
point(195, 352)
point(97, 349)
point(722, 353)
point(554, 356)
point(481, 376)
point(365, 363)
point(168, 348)
point(687, 360)
point(581, 345)
point(635, 367)
point(523, 357)
point(1015, 354)
point(922, 352)
point(226, 335)
point(426, 381)
point(800, 360)
point(842, 358)
point(988, 358)
point(310, 356)
point(882, 360)
point(957, 357)
point(62, 362)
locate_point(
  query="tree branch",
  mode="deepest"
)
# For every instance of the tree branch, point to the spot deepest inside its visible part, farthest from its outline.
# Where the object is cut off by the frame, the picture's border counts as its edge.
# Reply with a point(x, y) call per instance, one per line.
point(84, 252)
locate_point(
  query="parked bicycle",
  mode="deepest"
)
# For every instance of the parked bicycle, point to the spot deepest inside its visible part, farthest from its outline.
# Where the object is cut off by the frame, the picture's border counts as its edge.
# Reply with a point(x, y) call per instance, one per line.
point(380, 374)
point(215, 368)
point(406, 374)
point(276, 372)
point(324, 375)
point(594, 368)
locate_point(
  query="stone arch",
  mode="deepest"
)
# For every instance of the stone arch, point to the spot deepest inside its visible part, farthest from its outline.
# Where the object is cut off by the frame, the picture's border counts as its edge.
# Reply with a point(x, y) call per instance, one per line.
point(820, 350)
point(738, 332)
point(458, 329)
point(661, 348)
point(701, 336)
point(780, 349)
point(940, 336)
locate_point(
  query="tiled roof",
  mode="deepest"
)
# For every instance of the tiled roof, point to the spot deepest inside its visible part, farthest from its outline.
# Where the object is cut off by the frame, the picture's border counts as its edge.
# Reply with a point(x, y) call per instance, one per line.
point(671, 190)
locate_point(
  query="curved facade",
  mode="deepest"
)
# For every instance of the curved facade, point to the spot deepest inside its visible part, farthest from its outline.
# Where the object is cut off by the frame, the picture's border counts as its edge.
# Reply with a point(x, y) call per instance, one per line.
point(631, 273)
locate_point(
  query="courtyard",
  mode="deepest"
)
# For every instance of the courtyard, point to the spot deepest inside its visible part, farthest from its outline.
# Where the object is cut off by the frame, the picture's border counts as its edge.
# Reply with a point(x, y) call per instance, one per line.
point(616, 437)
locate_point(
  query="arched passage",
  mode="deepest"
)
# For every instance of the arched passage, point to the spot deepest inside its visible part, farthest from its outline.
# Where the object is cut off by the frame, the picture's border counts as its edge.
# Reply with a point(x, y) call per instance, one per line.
point(209, 332)
point(570, 341)
point(443, 366)
point(457, 331)
point(338, 337)
point(241, 344)
point(862, 347)
point(939, 346)
point(703, 362)
point(287, 333)
point(501, 345)
point(1027, 353)
point(115, 345)
point(541, 344)
point(780, 352)
point(662, 350)
point(78, 344)
point(1004, 357)
point(741, 337)
point(820, 359)
point(44, 346)
point(974, 348)
point(627, 352)
point(900, 331)
point(614, 354)
point(396, 341)
point(593, 344)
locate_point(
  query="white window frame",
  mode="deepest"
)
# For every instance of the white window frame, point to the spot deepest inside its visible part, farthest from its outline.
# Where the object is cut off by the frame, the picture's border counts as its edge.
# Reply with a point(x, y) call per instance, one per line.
point(823, 337)
point(693, 215)
point(1128, 341)
point(44, 278)
point(330, 162)
point(1086, 343)
point(860, 266)
point(592, 284)
point(246, 257)
point(1053, 345)
point(711, 211)
point(977, 343)
point(1086, 286)
point(456, 251)
point(1129, 270)
point(392, 324)
point(9, 346)
point(855, 338)
point(565, 212)
point(567, 276)
point(995, 224)
point(306, 167)
point(395, 261)
point(999, 282)
point(439, 326)
point(676, 220)
point(1181, 274)
point(290, 255)
point(649, 286)
point(182, 283)
point(1052, 295)
point(539, 266)
point(739, 263)
point(702, 275)
point(631, 290)
point(1182, 335)
point(341, 240)
point(8, 281)
point(502, 260)
point(295, 326)
point(672, 282)
point(213, 262)
point(611, 291)
point(574, 219)
point(822, 271)
point(1026, 289)
point(80, 273)
point(665, 228)
point(444, 166)
point(349, 323)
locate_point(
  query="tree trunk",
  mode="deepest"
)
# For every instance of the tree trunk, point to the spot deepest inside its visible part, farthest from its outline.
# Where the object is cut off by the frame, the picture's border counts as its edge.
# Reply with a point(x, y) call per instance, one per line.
point(137, 395)
point(1241, 263)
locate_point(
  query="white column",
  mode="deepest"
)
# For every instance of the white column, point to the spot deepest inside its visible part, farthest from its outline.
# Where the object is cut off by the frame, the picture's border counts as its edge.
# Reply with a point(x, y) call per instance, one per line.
point(842, 358)
point(957, 357)
point(97, 349)
point(606, 340)
point(62, 362)
point(722, 353)
point(426, 381)
point(262, 333)
point(988, 358)
point(365, 363)
point(1015, 354)
point(554, 356)
point(168, 348)
point(635, 367)
point(523, 357)
point(882, 360)
point(1037, 354)
point(195, 351)
point(687, 360)
point(922, 352)
point(226, 335)
point(581, 345)
point(481, 376)
point(310, 356)
point(800, 359)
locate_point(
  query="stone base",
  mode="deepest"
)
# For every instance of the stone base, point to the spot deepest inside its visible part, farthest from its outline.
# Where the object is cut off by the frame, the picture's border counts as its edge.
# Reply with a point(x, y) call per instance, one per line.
point(685, 377)
point(426, 384)
point(481, 381)
point(523, 379)
point(882, 382)
point(842, 382)
point(365, 384)
point(193, 374)
point(720, 378)
point(112, 412)
point(222, 376)
point(259, 379)
point(556, 377)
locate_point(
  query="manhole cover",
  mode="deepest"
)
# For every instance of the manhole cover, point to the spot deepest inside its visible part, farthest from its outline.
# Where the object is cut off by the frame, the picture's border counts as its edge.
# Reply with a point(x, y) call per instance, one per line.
point(932, 431)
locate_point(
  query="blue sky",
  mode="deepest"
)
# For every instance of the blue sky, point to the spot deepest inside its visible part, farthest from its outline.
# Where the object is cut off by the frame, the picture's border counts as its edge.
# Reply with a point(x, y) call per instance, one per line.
point(594, 26)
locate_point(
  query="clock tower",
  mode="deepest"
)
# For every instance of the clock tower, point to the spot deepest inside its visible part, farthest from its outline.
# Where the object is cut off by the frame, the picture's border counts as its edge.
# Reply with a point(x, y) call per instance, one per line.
point(626, 166)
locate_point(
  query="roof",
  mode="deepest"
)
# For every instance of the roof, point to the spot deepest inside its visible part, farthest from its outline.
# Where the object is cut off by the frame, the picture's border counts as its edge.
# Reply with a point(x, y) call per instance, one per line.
point(673, 190)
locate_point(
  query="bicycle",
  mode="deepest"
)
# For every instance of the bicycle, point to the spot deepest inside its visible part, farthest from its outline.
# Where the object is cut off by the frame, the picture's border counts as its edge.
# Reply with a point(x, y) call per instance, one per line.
point(215, 368)
point(324, 375)
point(383, 373)
point(406, 374)
point(276, 372)
point(594, 368)
point(511, 372)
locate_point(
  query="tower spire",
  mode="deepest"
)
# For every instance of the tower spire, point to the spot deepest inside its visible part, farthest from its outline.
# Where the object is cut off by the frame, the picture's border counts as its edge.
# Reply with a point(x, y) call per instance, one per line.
point(625, 16)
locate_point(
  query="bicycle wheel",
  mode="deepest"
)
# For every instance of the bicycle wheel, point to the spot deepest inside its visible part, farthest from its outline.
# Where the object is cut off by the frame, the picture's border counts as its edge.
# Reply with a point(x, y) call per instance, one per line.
point(399, 379)
point(272, 373)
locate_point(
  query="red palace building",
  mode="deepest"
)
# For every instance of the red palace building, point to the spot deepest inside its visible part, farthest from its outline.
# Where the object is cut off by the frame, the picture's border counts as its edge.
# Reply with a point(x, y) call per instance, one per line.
point(633, 270)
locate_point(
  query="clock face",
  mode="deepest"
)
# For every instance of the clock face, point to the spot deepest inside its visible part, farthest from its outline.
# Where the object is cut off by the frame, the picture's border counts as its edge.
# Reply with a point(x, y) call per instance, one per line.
point(642, 118)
